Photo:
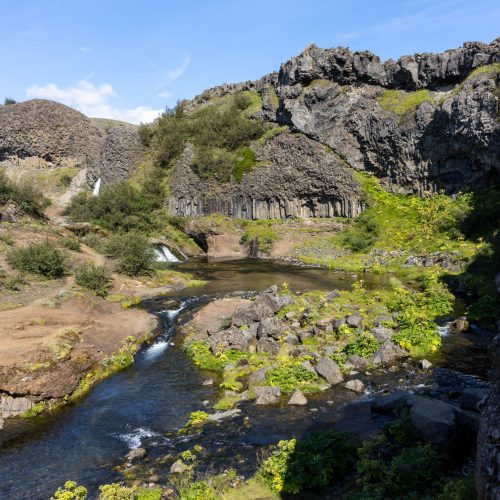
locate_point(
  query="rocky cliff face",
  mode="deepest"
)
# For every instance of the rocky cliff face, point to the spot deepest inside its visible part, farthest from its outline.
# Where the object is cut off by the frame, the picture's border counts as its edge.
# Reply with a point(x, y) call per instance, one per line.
point(42, 134)
point(423, 122)
point(296, 177)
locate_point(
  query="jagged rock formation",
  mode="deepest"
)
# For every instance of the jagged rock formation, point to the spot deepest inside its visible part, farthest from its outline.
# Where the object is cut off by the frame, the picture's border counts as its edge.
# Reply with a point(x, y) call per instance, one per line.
point(41, 134)
point(423, 122)
point(297, 177)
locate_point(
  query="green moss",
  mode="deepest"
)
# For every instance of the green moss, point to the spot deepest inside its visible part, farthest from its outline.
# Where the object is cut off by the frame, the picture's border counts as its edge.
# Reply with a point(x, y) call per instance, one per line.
point(273, 98)
point(245, 161)
point(35, 410)
point(226, 402)
point(203, 357)
point(402, 103)
point(322, 83)
point(126, 301)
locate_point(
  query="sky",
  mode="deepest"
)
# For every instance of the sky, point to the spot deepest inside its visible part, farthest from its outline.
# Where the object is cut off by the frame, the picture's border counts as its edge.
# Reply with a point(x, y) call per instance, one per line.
point(128, 60)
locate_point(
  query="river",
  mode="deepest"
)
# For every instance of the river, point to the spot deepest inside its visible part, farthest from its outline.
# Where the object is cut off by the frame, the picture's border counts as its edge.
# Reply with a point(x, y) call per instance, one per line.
point(145, 404)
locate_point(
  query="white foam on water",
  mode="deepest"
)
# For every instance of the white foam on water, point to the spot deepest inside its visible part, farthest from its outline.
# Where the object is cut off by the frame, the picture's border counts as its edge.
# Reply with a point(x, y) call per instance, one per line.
point(163, 254)
point(135, 438)
point(97, 187)
point(444, 330)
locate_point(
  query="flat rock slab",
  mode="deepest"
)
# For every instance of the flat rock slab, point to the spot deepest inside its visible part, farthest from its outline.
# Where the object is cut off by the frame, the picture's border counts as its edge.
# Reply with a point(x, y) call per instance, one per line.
point(267, 395)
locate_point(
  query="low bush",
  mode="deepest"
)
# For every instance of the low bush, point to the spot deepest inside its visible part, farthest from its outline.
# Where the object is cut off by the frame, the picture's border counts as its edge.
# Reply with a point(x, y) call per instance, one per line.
point(287, 378)
point(362, 234)
point(22, 194)
point(260, 233)
point(70, 244)
point(39, 258)
point(92, 277)
point(70, 491)
point(135, 255)
point(316, 462)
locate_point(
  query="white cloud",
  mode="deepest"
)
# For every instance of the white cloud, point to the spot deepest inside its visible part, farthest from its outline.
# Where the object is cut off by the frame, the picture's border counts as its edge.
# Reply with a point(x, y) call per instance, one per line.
point(165, 95)
point(93, 100)
point(84, 50)
point(175, 73)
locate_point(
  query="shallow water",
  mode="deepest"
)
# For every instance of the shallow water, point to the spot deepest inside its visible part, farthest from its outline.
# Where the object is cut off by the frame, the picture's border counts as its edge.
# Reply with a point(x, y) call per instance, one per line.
point(155, 395)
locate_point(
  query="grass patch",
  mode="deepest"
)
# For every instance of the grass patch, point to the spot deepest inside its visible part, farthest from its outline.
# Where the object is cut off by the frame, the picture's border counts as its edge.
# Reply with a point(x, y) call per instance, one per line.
point(403, 103)
point(261, 233)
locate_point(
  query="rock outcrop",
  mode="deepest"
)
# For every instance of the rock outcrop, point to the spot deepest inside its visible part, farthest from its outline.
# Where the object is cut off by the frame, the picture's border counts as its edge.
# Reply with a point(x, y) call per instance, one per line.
point(422, 123)
point(39, 135)
point(295, 177)
point(488, 442)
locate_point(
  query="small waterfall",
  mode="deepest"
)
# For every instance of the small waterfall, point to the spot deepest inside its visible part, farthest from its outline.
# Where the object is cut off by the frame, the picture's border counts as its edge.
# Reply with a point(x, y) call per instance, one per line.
point(163, 254)
point(97, 187)
point(444, 330)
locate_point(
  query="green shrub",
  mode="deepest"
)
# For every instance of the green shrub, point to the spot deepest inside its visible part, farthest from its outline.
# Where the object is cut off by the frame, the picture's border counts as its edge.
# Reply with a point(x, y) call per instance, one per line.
point(200, 351)
point(262, 234)
point(460, 489)
point(196, 418)
point(363, 233)
point(115, 491)
point(38, 258)
point(70, 244)
point(314, 463)
point(119, 207)
point(198, 490)
point(8, 101)
point(244, 162)
point(70, 491)
point(22, 194)
point(135, 255)
point(287, 378)
point(92, 277)
point(365, 346)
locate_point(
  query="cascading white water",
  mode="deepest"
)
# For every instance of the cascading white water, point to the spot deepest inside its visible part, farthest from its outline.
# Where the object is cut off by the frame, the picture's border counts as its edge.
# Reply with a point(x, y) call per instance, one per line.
point(444, 329)
point(97, 187)
point(163, 254)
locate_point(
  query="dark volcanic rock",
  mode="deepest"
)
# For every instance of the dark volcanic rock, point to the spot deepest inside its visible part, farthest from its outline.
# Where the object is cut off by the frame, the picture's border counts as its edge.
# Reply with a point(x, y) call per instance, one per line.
point(297, 178)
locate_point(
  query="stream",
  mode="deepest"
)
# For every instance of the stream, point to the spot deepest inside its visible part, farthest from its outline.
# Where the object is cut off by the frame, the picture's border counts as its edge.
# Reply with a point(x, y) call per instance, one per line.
point(145, 404)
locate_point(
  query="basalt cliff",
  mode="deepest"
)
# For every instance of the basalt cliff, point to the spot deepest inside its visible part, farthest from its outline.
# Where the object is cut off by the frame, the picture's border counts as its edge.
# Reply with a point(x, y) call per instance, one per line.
point(426, 122)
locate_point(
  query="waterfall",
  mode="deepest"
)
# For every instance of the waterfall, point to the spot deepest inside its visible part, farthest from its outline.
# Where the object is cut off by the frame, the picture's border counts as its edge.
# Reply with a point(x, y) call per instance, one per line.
point(97, 187)
point(163, 254)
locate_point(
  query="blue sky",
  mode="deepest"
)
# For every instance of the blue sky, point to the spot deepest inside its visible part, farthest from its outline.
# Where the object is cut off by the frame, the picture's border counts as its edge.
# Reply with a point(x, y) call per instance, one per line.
point(129, 59)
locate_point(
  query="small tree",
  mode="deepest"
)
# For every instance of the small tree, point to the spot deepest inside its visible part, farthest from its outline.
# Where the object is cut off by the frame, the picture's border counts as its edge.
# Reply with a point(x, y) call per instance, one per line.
point(9, 100)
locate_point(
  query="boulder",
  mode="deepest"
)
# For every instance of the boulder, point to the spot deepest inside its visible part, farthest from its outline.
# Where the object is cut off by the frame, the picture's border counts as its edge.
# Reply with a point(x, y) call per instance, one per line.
point(460, 325)
point(135, 454)
point(387, 404)
point(435, 420)
point(329, 370)
point(382, 333)
point(267, 395)
point(355, 320)
point(271, 299)
point(355, 385)
point(388, 353)
point(338, 322)
point(358, 362)
point(471, 398)
point(307, 365)
point(271, 327)
point(268, 345)
point(221, 415)
point(291, 339)
point(232, 338)
point(256, 311)
point(258, 377)
point(178, 467)
point(297, 398)
point(423, 364)
point(334, 294)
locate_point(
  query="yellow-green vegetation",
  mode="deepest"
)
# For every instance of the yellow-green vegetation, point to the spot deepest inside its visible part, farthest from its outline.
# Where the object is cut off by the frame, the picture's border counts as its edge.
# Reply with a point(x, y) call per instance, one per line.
point(115, 362)
point(61, 177)
point(261, 233)
point(402, 103)
point(290, 375)
point(396, 226)
point(126, 301)
point(322, 83)
point(166, 277)
point(35, 410)
point(114, 491)
point(273, 97)
point(196, 418)
point(411, 313)
point(70, 491)
point(490, 70)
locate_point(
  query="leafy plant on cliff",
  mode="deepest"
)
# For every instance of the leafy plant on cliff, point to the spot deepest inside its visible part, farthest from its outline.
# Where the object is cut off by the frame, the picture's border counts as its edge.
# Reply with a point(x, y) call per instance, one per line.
point(70, 491)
